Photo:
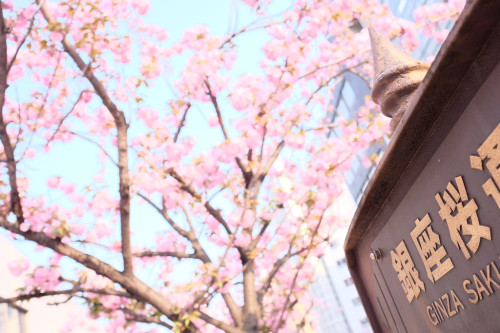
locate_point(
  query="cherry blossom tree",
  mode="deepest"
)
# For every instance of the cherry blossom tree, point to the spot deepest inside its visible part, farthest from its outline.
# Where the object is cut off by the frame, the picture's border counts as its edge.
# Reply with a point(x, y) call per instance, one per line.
point(203, 200)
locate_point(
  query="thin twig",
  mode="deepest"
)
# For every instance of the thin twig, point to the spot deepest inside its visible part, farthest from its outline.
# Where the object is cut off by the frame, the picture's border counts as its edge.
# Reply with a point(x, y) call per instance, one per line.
point(94, 142)
point(67, 115)
point(32, 22)
point(213, 98)
point(181, 124)
point(321, 86)
point(301, 265)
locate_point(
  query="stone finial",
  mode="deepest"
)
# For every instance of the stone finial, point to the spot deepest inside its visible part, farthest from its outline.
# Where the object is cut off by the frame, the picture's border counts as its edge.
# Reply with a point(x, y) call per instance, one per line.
point(397, 76)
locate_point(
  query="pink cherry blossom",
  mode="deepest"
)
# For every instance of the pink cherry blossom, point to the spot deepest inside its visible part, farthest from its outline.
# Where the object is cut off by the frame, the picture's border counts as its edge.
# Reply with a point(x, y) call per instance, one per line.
point(16, 72)
point(18, 267)
point(243, 239)
point(142, 6)
point(148, 115)
point(44, 278)
point(251, 3)
point(53, 182)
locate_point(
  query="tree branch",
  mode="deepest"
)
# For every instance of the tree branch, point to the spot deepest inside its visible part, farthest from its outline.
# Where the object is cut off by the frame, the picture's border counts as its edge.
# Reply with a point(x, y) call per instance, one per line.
point(134, 286)
point(199, 253)
point(323, 67)
point(15, 199)
point(272, 159)
point(321, 86)
point(122, 144)
point(181, 124)
point(219, 324)
point(276, 267)
point(184, 233)
point(247, 174)
point(179, 255)
point(248, 28)
point(72, 292)
point(213, 98)
point(190, 190)
point(81, 136)
point(67, 115)
point(21, 43)
point(136, 317)
point(299, 268)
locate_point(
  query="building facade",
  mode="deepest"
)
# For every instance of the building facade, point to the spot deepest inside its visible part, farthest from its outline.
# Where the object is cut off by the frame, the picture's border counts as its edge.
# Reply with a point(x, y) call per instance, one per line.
point(339, 308)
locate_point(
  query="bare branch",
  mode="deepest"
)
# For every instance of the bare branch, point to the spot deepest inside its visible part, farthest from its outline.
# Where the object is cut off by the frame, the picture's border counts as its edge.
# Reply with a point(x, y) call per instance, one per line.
point(80, 293)
point(68, 298)
point(136, 317)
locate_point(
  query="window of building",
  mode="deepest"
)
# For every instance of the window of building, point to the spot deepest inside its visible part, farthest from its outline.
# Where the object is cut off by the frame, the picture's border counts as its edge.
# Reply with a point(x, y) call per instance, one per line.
point(341, 262)
point(349, 176)
point(364, 321)
point(348, 281)
point(356, 301)
point(348, 94)
point(356, 163)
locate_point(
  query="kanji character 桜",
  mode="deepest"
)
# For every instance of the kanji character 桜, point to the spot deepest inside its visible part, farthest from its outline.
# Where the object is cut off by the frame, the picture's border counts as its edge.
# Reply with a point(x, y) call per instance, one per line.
point(460, 214)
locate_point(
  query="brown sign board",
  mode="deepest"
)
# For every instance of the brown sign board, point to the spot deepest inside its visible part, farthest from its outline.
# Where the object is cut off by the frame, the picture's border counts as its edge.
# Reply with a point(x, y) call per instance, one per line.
point(424, 245)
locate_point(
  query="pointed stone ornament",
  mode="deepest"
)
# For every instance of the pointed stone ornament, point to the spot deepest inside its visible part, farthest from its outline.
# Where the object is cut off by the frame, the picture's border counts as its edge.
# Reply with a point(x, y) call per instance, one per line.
point(397, 76)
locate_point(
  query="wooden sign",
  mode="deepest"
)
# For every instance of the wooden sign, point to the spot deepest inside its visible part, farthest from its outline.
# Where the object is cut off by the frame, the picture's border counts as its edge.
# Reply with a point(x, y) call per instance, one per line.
point(439, 251)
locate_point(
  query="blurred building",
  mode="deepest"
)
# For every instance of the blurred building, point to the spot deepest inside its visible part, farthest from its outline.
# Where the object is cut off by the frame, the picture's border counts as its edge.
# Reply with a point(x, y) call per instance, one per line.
point(12, 319)
point(339, 308)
